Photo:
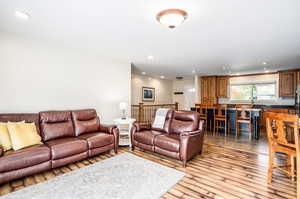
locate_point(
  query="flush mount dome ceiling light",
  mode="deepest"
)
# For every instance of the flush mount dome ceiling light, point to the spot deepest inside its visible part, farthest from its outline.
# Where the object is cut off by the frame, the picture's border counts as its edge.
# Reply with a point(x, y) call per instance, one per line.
point(171, 17)
point(22, 15)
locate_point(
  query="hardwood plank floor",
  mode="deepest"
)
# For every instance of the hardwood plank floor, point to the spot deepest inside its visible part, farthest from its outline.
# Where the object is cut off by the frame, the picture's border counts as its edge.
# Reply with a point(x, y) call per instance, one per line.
point(218, 173)
point(241, 142)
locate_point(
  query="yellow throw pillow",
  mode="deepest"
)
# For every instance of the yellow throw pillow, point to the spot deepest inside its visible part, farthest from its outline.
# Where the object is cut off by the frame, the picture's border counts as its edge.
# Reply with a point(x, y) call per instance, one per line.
point(4, 137)
point(5, 141)
point(23, 135)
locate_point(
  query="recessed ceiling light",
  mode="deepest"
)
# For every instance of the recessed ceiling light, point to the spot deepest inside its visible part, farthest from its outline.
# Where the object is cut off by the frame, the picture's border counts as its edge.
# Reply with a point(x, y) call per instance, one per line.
point(162, 77)
point(150, 57)
point(194, 71)
point(171, 17)
point(264, 63)
point(266, 71)
point(143, 73)
point(237, 74)
point(22, 15)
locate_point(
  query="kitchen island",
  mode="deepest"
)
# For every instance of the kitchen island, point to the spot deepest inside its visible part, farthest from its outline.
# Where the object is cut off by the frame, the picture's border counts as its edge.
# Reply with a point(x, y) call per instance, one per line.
point(231, 119)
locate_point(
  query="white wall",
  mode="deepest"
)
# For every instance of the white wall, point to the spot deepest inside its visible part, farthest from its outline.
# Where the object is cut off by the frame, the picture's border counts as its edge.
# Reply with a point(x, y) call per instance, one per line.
point(163, 89)
point(197, 81)
point(38, 76)
point(187, 100)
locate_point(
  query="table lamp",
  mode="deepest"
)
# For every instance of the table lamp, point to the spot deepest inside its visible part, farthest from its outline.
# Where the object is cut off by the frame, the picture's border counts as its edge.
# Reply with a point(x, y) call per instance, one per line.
point(123, 108)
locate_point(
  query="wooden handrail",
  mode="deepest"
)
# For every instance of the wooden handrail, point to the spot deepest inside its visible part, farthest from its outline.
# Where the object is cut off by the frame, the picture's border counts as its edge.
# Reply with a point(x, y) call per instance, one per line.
point(144, 113)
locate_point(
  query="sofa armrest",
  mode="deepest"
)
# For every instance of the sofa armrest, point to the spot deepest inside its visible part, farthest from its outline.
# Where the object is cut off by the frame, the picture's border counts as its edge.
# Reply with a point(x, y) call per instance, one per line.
point(190, 144)
point(140, 127)
point(1, 151)
point(116, 134)
point(111, 129)
point(107, 128)
point(136, 127)
point(191, 133)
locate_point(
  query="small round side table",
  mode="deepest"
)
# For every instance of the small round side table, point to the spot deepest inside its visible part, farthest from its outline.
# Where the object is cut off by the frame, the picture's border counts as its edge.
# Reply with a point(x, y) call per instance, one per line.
point(125, 135)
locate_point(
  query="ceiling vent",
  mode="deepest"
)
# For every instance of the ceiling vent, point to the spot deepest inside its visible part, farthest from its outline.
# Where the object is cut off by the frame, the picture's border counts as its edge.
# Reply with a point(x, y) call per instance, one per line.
point(179, 77)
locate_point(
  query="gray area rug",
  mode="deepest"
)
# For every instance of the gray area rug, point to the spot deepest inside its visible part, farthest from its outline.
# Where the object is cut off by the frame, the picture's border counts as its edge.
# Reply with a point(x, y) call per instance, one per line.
point(121, 177)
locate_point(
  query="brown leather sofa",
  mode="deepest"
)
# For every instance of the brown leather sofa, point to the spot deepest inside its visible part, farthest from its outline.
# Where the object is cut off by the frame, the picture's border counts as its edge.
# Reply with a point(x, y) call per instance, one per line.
point(181, 138)
point(68, 136)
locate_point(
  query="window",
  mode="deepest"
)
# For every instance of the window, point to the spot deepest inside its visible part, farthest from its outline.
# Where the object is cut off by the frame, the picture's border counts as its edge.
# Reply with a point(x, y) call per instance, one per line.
point(253, 91)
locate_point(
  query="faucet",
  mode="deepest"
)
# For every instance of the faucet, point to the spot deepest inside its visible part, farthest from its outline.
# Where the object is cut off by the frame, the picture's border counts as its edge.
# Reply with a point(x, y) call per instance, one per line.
point(253, 99)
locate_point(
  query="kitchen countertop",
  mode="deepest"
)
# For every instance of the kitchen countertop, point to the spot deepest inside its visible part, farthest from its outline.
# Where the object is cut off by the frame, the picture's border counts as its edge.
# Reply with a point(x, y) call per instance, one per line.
point(259, 107)
point(246, 109)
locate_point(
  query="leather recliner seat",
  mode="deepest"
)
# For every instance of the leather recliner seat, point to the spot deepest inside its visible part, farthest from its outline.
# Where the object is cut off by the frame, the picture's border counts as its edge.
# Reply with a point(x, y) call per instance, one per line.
point(67, 136)
point(180, 138)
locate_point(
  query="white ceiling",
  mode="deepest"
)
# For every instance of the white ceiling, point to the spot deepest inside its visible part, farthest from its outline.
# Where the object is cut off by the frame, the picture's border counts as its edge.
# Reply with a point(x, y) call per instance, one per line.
point(238, 34)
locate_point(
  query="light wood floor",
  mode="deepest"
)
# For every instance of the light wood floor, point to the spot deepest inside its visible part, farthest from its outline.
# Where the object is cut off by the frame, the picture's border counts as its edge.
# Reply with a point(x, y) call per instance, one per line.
point(218, 173)
point(241, 142)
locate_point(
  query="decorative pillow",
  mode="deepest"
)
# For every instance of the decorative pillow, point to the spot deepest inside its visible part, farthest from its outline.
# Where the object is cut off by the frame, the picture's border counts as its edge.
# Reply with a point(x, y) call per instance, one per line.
point(5, 141)
point(23, 135)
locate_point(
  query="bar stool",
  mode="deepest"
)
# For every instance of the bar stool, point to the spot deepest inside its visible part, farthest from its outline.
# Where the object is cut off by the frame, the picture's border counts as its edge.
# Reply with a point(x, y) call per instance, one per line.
point(243, 116)
point(202, 110)
point(220, 116)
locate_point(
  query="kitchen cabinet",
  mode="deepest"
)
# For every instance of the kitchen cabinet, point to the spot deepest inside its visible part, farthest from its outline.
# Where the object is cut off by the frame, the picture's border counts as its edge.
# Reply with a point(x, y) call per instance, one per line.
point(287, 83)
point(204, 90)
point(209, 90)
point(222, 87)
point(298, 77)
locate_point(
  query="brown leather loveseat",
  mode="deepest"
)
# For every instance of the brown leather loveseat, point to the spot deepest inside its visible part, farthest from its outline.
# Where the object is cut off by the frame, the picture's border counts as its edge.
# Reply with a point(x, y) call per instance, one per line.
point(181, 138)
point(67, 136)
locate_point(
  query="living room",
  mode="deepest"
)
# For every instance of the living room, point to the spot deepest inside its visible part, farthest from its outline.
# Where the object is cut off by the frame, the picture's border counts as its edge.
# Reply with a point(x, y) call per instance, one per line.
point(149, 99)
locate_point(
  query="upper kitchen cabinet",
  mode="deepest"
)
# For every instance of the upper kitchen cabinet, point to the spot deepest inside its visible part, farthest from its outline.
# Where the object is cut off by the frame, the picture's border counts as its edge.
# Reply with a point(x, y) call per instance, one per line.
point(204, 90)
point(298, 77)
point(208, 90)
point(287, 83)
point(222, 87)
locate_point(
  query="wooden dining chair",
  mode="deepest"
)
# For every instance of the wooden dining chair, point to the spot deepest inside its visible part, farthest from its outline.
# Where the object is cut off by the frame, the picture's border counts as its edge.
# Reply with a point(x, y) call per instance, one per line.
point(277, 129)
point(202, 110)
point(272, 110)
point(220, 118)
point(243, 116)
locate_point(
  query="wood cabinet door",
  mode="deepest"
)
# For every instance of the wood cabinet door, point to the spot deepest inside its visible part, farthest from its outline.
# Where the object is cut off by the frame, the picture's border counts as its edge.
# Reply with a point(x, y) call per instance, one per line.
point(298, 77)
point(212, 87)
point(287, 83)
point(204, 90)
point(208, 90)
point(222, 87)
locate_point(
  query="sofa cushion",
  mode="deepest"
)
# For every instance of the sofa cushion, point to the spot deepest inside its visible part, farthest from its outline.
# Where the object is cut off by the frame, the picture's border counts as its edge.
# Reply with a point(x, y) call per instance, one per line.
point(23, 135)
point(56, 124)
point(21, 117)
point(169, 142)
point(147, 137)
point(97, 139)
point(13, 160)
point(85, 121)
point(184, 121)
point(167, 124)
point(5, 141)
point(64, 147)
